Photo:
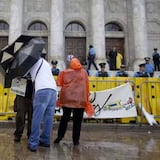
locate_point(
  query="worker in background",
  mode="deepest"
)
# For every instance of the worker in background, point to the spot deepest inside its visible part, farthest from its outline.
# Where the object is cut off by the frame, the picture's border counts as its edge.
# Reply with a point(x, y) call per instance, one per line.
point(149, 68)
point(122, 72)
point(102, 72)
point(55, 70)
point(141, 72)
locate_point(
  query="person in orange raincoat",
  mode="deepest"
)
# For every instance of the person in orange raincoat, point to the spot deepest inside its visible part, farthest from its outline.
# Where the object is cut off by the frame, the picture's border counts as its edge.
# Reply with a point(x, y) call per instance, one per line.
point(74, 97)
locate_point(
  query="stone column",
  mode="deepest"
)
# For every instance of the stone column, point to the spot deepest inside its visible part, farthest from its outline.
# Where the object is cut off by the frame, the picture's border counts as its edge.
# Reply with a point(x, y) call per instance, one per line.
point(140, 31)
point(56, 31)
point(16, 20)
point(98, 29)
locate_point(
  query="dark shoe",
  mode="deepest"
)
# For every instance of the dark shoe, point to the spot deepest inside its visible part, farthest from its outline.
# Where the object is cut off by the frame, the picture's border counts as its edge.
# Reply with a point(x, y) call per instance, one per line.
point(57, 140)
point(43, 144)
point(32, 150)
point(17, 139)
point(76, 143)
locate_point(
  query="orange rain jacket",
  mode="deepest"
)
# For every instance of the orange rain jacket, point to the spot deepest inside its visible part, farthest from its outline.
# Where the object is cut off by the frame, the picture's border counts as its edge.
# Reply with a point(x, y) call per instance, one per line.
point(74, 86)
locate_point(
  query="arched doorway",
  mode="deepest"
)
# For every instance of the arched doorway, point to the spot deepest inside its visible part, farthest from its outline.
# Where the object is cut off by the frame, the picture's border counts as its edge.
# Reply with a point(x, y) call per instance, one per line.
point(114, 38)
point(38, 28)
point(4, 28)
point(75, 40)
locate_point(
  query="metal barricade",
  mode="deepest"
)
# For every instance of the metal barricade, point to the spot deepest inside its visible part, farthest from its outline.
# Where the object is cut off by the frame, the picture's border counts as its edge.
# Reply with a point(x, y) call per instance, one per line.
point(6, 104)
point(104, 83)
point(150, 98)
point(146, 91)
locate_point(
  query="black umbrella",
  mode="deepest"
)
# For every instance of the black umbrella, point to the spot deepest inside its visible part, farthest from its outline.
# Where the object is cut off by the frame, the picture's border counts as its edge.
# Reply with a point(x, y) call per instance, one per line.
point(11, 49)
point(7, 55)
point(20, 59)
point(26, 57)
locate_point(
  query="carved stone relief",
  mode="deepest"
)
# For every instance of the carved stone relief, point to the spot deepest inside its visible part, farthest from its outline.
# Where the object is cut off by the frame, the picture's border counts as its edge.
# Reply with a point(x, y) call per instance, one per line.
point(37, 5)
point(153, 27)
point(116, 6)
point(4, 5)
point(76, 6)
point(150, 7)
point(153, 7)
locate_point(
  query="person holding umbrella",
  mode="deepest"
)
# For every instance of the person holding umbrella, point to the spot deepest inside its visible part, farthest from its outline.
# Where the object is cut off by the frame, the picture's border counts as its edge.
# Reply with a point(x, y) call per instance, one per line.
point(43, 104)
point(27, 59)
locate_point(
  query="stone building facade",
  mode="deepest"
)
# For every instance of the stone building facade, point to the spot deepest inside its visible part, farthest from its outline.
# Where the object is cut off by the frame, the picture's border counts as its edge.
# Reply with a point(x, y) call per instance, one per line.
point(70, 26)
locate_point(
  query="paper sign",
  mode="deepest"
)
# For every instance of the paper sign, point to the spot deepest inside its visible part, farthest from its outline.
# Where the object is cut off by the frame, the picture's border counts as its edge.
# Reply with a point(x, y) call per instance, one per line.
point(18, 86)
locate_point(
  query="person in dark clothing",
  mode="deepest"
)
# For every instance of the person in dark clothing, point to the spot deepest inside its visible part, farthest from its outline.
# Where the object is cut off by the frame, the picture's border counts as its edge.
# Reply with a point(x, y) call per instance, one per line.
point(141, 72)
point(23, 106)
point(156, 60)
point(91, 57)
point(112, 59)
point(122, 72)
point(55, 70)
point(102, 72)
point(84, 64)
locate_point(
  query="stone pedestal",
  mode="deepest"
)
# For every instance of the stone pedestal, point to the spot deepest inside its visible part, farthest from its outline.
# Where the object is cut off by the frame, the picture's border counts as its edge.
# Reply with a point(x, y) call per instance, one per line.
point(16, 20)
point(140, 31)
point(56, 32)
point(98, 29)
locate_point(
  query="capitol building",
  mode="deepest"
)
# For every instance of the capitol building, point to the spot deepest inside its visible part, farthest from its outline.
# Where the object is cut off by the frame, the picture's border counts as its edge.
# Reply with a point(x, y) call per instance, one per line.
point(70, 26)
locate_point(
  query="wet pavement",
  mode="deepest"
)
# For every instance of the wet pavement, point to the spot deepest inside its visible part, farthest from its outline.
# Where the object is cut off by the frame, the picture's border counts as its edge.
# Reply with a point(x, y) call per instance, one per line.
point(99, 141)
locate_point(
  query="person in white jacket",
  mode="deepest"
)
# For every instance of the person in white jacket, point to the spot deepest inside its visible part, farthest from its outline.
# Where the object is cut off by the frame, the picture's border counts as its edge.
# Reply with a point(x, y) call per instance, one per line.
point(44, 102)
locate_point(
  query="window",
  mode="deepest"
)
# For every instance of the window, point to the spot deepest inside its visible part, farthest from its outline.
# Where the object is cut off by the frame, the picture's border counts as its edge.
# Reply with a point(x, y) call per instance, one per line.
point(113, 27)
point(37, 26)
point(4, 25)
point(75, 27)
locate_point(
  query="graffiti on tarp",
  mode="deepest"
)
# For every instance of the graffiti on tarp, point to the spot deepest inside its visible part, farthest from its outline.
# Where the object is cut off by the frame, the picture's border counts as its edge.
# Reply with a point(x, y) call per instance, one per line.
point(105, 107)
point(97, 107)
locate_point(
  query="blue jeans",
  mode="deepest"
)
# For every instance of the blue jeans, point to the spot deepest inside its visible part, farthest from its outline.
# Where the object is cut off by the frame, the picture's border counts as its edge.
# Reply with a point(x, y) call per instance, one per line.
point(43, 110)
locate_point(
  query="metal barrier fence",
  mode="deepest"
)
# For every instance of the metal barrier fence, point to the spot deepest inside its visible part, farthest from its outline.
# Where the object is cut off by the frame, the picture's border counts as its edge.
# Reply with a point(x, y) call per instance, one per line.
point(146, 91)
point(150, 98)
point(6, 103)
point(103, 83)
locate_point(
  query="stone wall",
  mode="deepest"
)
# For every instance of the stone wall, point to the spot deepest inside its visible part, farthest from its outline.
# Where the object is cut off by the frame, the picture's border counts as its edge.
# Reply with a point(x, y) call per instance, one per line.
point(120, 11)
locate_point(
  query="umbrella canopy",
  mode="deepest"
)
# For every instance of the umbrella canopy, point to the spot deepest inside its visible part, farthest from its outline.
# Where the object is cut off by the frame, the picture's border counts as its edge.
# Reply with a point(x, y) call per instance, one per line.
point(10, 50)
point(19, 56)
point(7, 55)
point(26, 57)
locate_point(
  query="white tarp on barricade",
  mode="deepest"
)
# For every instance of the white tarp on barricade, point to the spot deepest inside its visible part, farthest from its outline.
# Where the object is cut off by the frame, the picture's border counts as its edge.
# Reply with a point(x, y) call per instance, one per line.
point(112, 103)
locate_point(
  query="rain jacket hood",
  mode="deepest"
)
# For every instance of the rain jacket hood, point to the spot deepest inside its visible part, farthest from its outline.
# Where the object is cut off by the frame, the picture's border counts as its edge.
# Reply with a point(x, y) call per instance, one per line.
point(75, 64)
